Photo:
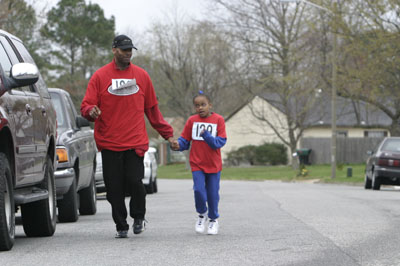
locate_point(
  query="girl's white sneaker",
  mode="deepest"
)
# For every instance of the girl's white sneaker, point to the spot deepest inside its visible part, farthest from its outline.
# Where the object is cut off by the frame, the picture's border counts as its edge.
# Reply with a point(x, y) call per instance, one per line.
point(201, 223)
point(213, 227)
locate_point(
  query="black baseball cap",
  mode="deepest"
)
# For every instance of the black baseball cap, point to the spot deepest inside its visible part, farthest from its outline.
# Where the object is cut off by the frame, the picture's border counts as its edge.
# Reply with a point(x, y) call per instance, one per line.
point(123, 42)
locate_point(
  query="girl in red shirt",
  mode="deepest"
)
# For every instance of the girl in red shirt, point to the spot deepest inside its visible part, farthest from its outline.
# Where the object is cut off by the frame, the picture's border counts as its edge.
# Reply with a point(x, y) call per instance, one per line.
point(206, 132)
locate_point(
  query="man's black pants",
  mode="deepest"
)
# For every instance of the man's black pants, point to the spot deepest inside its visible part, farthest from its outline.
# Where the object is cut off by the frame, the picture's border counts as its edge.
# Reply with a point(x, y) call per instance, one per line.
point(123, 172)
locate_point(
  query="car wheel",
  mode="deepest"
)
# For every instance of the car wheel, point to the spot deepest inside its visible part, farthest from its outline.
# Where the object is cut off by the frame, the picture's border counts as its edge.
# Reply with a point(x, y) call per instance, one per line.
point(367, 182)
point(376, 184)
point(68, 205)
point(7, 209)
point(39, 218)
point(88, 199)
point(149, 187)
point(155, 187)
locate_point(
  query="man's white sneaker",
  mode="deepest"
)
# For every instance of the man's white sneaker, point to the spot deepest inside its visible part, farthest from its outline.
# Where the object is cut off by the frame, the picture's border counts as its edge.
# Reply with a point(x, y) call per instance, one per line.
point(201, 223)
point(213, 227)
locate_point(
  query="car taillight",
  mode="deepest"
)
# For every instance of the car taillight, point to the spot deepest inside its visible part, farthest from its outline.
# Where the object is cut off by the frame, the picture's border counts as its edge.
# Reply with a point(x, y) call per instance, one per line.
point(62, 155)
point(388, 162)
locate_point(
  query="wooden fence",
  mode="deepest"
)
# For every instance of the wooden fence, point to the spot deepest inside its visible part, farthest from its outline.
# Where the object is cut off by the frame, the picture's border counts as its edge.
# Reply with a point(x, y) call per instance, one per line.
point(348, 150)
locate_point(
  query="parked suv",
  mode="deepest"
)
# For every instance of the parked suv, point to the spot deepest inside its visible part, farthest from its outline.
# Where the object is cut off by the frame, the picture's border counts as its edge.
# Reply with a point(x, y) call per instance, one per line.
point(27, 145)
point(76, 151)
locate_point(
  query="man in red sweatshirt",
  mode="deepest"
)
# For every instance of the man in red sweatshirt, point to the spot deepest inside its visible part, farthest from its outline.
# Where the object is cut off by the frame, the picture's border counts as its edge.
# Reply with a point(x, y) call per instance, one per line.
point(118, 96)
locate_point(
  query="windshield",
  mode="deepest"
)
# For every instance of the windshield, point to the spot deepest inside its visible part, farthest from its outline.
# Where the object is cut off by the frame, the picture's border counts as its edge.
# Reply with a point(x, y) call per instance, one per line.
point(56, 100)
point(391, 145)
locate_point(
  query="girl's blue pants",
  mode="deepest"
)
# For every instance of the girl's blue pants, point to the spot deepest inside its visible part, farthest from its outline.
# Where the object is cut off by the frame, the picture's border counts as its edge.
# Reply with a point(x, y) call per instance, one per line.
point(206, 193)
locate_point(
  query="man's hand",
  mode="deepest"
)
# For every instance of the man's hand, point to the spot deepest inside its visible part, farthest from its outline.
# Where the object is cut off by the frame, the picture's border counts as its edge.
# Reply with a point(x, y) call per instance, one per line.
point(95, 112)
point(174, 144)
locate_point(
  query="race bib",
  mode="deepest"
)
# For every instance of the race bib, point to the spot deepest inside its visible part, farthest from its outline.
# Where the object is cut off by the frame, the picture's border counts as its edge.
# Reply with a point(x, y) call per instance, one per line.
point(198, 127)
point(118, 84)
point(123, 87)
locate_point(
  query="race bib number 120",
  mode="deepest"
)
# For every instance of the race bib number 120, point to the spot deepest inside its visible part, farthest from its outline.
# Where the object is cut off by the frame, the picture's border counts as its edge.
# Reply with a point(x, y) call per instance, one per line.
point(198, 127)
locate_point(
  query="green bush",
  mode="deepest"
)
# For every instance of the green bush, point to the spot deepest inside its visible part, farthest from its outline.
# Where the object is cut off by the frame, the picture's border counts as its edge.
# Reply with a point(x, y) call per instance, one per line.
point(266, 154)
point(243, 155)
point(271, 154)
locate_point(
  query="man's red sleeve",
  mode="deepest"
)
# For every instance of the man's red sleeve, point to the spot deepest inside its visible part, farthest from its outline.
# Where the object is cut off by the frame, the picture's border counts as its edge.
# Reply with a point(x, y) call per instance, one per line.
point(90, 99)
point(158, 123)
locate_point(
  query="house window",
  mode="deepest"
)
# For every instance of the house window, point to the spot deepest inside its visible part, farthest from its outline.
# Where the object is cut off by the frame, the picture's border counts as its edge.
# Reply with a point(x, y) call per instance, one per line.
point(342, 134)
point(375, 134)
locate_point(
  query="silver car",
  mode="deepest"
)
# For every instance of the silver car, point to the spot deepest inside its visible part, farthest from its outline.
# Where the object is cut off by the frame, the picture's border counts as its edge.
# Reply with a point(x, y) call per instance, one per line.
point(150, 172)
point(76, 152)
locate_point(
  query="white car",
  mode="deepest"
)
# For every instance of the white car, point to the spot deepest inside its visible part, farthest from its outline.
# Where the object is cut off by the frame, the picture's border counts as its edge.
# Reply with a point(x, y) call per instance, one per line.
point(150, 172)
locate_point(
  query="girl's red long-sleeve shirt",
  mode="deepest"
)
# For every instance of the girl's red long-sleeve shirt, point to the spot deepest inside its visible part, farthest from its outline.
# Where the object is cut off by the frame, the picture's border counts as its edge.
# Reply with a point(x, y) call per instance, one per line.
point(202, 156)
point(124, 97)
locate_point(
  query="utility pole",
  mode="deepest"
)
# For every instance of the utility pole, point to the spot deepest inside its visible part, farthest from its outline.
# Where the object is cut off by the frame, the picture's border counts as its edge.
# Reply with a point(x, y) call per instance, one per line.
point(334, 90)
point(333, 13)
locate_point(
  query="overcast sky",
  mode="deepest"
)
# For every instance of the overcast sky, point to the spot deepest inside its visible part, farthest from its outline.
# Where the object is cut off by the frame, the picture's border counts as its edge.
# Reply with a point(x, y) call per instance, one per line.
point(133, 15)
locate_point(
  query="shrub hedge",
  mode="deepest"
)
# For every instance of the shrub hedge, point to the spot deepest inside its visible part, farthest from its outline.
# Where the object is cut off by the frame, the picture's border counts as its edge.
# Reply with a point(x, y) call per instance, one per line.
point(266, 154)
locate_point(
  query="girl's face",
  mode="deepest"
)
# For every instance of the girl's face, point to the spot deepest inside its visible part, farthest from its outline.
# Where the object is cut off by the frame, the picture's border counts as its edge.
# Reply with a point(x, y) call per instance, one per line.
point(202, 106)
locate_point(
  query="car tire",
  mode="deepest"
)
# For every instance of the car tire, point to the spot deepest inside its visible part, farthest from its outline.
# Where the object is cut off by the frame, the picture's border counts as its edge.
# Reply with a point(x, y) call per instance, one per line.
point(88, 199)
point(39, 218)
point(149, 187)
point(7, 209)
point(367, 182)
point(68, 205)
point(376, 183)
point(155, 187)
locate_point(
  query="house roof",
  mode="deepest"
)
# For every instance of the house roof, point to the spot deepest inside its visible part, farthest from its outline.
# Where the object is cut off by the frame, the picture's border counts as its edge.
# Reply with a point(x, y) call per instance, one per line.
point(240, 107)
point(354, 113)
point(349, 113)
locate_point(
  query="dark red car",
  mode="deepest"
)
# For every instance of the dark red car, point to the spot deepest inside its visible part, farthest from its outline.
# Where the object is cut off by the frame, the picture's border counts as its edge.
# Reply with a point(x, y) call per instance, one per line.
point(27, 145)
point(383, 165)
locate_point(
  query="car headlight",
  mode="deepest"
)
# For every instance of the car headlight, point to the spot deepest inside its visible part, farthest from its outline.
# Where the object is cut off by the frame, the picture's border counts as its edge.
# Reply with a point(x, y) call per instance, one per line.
point(62, 155)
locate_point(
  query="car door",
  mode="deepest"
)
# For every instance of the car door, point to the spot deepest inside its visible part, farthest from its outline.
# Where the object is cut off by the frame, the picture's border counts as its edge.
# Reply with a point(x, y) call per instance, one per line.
point(83, 144)
point(17, 107)
point(40, 108)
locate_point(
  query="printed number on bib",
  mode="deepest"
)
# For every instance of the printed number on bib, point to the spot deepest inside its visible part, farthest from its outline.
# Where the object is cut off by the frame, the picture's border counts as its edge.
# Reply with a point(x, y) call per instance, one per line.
point(118, 84)
point(198, 127)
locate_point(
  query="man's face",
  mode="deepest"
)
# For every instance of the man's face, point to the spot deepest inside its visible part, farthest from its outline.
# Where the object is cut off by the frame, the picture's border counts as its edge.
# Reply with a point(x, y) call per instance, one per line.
point(122, 56)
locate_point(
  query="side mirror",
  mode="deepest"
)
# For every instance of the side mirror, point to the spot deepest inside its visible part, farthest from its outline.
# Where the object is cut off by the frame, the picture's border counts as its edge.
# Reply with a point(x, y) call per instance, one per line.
point(152, 150)
point(23, 74)
point(370, 153)
point(81, 122)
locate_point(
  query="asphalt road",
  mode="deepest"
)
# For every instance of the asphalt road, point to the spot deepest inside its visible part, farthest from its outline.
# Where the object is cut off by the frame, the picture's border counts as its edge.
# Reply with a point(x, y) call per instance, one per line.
point(261, 223)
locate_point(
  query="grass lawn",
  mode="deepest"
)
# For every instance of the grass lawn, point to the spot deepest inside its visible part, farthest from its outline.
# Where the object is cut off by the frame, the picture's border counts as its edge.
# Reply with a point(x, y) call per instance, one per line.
point(286, 173)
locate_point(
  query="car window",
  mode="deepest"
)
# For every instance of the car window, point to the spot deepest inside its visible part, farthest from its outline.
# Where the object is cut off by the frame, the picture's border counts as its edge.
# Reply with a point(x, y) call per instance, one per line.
point(5, 60)
point(9, 58)
point(2, 88)
point(72, 106)
point(56, 100)
point(9, 50)
point(391, 145)
point(40, 85)
point(70, 110)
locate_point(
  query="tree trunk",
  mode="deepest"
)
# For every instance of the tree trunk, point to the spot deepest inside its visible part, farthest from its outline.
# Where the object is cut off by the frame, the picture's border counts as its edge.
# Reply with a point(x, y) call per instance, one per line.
point(395, 128)
point(295, 159)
